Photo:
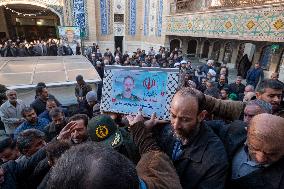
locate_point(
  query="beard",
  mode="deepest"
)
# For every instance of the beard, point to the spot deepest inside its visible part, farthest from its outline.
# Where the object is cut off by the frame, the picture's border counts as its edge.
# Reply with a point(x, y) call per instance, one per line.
point(186, 135)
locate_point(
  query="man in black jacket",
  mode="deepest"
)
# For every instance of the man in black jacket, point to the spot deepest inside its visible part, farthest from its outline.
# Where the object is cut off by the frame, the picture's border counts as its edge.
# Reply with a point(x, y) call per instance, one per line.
point(198, 154)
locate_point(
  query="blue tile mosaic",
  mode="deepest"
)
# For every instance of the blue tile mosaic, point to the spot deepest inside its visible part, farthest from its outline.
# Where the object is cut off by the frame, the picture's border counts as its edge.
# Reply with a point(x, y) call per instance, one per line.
point(160, 18)
point(132, 17)
point(80, 16)
point(146, 17)
point(104, 17)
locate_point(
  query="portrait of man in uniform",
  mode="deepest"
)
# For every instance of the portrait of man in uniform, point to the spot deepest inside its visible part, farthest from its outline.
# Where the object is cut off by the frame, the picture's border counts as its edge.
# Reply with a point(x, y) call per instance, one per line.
point(127, 93)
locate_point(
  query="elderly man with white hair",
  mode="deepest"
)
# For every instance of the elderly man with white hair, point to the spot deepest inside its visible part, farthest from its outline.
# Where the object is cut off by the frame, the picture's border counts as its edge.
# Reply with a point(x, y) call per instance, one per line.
point(10, 112)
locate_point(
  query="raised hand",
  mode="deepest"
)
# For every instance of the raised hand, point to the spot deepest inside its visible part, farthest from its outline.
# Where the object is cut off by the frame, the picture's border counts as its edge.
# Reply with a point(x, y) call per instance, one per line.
point(65, 133)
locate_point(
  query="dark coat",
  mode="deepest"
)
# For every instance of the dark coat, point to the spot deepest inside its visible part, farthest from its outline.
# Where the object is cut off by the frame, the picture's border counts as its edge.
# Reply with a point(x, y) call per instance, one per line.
point(233, 136)
point(17, 174)
point(204, 161)
point(237, 89)
point(40, 106)
point(254, 76)
point(86, 88)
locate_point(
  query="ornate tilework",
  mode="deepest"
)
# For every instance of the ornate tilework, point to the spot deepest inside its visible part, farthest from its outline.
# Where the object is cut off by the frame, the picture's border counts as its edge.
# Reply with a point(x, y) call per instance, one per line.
point(160, 18)
point(146, 17)
point(79, 15)
point(258, 24)
point(132, 17)
point(104, 17)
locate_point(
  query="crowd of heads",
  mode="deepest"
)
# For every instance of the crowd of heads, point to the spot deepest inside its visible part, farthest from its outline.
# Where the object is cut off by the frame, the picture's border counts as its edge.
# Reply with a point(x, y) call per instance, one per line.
point(88, 148)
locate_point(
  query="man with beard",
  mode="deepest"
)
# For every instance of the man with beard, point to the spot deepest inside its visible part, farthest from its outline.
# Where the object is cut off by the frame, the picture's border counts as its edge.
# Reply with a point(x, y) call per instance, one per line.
point(39, 104)
point(128, 84)
point(58, 122)
point(75, 132)
point(10, 112)
point(32, 121)
point(268, 90)
point(197, 153)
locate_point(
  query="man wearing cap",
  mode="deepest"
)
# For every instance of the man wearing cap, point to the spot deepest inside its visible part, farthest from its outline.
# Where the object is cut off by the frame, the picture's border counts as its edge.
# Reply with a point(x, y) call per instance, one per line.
point(211, 75)
point(103, 129)
point(205, 68)
point(92, 100)
point(10, 112)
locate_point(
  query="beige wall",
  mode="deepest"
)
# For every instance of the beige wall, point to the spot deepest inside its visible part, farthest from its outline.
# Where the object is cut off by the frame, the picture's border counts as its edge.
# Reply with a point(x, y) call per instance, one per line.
point(3, 24)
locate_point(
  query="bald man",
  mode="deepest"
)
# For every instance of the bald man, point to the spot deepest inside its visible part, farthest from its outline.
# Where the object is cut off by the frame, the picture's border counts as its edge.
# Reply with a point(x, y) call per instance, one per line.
point(257, 156)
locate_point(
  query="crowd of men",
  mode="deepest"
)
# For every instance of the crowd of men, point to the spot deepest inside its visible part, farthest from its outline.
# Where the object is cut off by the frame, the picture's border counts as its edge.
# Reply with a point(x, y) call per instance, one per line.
point(23, 48)
point(220, 134)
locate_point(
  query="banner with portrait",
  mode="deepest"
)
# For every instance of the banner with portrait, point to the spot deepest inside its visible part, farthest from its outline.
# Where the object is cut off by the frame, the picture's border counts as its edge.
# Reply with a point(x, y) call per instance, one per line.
point(70, 35)
point(128, 89)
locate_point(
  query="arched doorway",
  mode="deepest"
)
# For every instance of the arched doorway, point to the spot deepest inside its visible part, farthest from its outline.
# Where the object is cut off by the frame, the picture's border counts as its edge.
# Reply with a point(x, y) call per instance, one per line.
point(175, 43)
point(30, 22)
point(216, 50)
point(228, 53)
point(205, 49)
point(191, 50)
point(265, 57)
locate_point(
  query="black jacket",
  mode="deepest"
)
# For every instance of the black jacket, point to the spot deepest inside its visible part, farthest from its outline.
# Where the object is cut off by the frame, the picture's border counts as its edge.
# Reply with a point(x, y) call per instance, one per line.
point(17, 174)
point(204, 160)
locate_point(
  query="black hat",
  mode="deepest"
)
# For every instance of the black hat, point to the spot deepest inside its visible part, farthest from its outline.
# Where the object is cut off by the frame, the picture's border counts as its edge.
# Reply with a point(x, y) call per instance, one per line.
point(103, 129)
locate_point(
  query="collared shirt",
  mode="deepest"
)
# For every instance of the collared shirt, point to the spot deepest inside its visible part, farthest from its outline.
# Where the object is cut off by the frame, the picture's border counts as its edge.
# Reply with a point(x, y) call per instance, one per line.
point(242, 165)
point(10, 115)
point(40, 124)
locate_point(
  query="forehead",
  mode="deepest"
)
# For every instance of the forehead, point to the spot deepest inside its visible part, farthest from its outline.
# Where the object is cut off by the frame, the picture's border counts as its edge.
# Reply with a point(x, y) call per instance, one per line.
point(30, 112)
point(184, 105)
point(272, 91)
point(11, 93)
point(128, 80)
point(50, 103)
point(251, 108)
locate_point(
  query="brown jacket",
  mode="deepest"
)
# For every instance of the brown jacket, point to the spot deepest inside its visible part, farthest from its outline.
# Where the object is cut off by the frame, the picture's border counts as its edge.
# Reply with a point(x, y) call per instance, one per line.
point(155, 168)
point(226, 109)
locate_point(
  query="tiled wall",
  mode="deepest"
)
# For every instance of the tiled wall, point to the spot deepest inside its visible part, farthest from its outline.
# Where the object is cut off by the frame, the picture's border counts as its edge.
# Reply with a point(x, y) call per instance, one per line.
point(257, 24)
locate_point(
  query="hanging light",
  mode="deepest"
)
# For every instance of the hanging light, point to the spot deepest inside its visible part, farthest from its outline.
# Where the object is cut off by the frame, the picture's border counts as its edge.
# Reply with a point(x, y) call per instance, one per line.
point(24, 14)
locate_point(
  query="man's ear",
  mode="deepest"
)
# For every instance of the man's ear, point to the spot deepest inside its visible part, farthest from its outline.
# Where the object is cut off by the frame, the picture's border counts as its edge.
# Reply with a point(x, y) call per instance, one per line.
point(258, 95)
point(201, 116)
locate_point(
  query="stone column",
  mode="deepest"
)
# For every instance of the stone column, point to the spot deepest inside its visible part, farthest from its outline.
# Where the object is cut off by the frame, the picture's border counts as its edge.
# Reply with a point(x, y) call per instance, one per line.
point(210, 50)
point(199, 47)
point(92, 19)
point(235, 52)
point(222, 52)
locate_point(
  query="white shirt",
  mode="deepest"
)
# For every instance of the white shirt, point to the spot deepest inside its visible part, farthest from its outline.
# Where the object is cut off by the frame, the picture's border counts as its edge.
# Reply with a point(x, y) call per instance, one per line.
point(10, 115)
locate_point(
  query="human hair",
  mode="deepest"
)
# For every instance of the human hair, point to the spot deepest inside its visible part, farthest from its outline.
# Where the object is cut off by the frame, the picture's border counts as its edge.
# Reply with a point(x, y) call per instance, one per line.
point(239, 77)
point(56, 112)
point(6, 142)
point(79, 78)
point(41, 84)
point(269, 83)
point(264, 106)
point(39, 89)
point(189, 92)
point(55, 149)
point(77, 117)
point(128, 77)
point(26, 138)
point(251, 87)
point(26, 110)
point(93, 165)
point(9, 91)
